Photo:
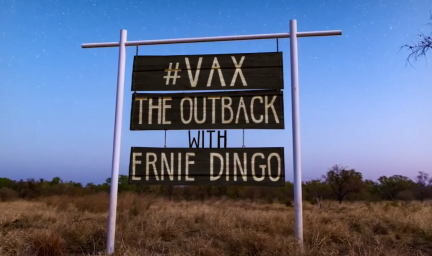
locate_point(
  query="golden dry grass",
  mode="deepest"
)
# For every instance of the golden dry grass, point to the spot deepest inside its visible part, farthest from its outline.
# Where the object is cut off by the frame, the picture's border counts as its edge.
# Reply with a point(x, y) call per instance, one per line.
point(150, 226)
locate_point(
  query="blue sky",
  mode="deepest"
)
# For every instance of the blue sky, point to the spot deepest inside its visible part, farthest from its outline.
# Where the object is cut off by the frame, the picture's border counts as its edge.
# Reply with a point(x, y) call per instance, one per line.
point(360, 105)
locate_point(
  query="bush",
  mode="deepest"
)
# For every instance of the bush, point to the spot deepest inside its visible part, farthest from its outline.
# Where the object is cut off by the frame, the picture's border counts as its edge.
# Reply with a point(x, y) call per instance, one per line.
point(7, 194)
point(406, 195)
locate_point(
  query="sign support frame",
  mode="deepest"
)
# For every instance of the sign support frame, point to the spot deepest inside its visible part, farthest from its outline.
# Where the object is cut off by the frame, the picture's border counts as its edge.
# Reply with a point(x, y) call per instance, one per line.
point(122, 44)
point(298, 202)
point(117, 142)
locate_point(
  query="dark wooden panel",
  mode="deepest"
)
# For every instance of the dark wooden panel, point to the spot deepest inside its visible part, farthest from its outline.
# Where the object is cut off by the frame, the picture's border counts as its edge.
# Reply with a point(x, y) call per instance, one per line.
point(266, 112)
point(145, 166)
point(260, 71)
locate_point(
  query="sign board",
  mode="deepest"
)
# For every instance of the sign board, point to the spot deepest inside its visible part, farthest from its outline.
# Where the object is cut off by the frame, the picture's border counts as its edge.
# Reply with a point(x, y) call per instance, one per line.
point(148, 72)
point(208, 72)
point(207, 166)
point(255, 109)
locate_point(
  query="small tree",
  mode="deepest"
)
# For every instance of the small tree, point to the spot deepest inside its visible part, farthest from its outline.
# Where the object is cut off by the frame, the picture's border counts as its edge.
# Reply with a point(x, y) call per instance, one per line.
point(343, 181)
point(421, 47)
point(391, 186)
point(5, 182)
point(423, 188)
point(123, 184)
point(423, 179)
point(371, 191)
point(55, 181)
point(316, 189)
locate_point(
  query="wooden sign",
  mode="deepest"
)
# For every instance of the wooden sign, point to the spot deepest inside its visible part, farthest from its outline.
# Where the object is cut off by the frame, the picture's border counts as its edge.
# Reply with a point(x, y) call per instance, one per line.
point(207, 166)
point(208, 72)
point(256, 109)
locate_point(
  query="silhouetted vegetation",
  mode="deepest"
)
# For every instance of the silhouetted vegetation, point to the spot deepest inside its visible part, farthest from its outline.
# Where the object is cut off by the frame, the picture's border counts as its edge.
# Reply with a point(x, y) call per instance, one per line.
point(421, 47)
point(68, 218)
point(339, 183)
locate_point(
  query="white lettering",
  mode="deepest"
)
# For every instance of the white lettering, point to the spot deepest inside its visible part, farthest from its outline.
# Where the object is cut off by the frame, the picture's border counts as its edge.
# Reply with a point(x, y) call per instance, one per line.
point(242, 106)
point(237, 162)
point(212, 155)
point(164, 163)
point(158, 107)
point(165, 106)
point(179, 166)
point(269, 166)
point(261, 166)
point(134, 163)
point(257, 121)
point(228, 106)
point(196, 110)
point(213, 99)
point(189, 154)
point(216, 66)
point(227, 166)
point(267, 106)
point(190, 110)
point(193, 81)
point(153, 163)
point(238, 71)
point(141, 110)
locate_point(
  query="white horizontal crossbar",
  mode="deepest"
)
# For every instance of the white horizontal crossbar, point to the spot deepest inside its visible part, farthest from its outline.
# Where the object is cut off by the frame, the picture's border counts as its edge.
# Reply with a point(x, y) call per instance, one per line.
point(214, 39)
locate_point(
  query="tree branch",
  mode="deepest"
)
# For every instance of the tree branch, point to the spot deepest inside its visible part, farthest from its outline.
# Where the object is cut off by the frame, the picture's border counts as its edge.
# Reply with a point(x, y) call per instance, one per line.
point(420, 48)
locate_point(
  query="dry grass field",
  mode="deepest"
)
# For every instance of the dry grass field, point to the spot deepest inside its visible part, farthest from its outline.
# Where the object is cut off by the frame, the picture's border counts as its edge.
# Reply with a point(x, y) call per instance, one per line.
point(155, 226)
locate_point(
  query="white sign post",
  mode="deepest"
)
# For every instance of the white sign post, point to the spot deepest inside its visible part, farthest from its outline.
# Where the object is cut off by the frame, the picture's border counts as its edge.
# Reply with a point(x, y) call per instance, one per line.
point(293, 35)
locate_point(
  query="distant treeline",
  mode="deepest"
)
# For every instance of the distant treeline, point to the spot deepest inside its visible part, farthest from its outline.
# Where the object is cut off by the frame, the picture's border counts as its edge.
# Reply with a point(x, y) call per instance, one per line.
point(339, 183)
